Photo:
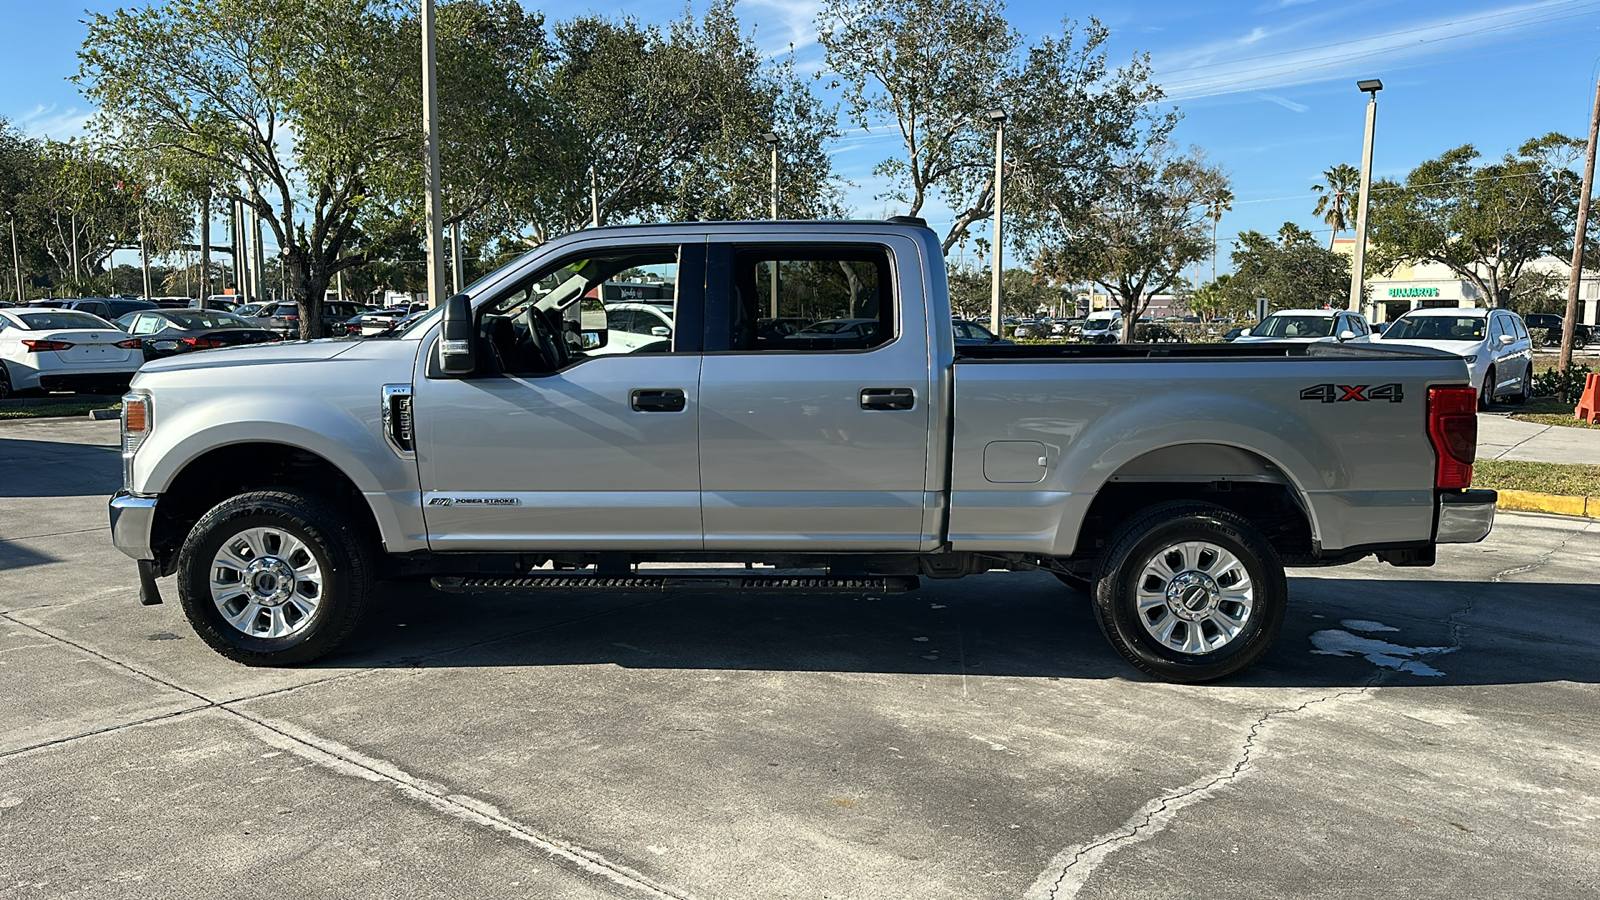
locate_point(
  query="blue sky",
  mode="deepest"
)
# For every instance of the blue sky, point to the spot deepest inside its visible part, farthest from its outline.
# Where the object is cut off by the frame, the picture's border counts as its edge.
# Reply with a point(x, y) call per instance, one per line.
point(1266, 88)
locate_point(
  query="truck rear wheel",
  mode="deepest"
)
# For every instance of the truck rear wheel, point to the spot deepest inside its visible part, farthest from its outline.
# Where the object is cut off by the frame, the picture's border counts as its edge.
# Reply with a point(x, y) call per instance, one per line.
point(1190, 592)
point(272, 578)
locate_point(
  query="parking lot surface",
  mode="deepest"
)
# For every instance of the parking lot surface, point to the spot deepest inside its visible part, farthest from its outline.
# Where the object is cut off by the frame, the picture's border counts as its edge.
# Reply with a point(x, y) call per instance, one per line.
point(1415, 732)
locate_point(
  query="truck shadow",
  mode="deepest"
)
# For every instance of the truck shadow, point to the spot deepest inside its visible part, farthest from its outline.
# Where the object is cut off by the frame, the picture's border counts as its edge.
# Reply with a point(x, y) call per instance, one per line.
point(32, 468)
point(1340, 632)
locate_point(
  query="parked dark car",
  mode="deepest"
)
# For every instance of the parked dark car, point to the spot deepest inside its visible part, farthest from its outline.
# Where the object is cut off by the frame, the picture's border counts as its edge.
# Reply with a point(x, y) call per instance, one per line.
point(108, 308)
point(165, 332)
point(283, 316)
point(224, 303)
point(1554, 324)
point(971, 334)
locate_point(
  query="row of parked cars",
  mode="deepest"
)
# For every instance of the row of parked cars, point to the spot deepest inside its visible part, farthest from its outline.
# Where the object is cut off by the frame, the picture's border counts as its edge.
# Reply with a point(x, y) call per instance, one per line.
point(97, 344)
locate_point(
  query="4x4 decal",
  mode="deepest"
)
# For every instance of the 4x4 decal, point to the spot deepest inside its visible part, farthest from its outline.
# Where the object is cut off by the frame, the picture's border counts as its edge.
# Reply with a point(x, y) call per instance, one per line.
point(1340, 393)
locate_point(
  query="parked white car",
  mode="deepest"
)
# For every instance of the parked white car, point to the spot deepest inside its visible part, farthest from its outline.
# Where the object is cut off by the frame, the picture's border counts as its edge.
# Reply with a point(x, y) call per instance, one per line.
point(636, 327)
point(1494, 342)
point(63, 349)
point(1309, 326)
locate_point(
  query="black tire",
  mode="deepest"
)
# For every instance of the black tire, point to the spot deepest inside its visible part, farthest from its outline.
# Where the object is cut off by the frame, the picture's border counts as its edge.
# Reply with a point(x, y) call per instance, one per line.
point(1137, 544)
point(1526, 392)
point(6, 390)
point(343, 558)
point(1486, 393)
point(1077, 582)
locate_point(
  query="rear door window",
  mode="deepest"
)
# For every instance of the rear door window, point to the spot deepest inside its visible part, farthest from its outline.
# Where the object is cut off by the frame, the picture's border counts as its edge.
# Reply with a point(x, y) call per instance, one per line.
point(829, 298)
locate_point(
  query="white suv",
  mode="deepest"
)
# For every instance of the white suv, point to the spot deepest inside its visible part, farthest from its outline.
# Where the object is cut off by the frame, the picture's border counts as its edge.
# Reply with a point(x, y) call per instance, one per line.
point(1494, 342)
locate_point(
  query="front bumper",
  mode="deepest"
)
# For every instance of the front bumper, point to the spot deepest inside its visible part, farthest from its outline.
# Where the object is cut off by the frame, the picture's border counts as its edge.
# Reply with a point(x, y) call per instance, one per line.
point(1464, 518)
point(133, 522)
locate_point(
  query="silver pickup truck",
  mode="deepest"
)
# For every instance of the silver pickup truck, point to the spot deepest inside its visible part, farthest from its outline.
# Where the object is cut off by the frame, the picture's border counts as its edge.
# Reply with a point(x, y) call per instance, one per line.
point(809, 427)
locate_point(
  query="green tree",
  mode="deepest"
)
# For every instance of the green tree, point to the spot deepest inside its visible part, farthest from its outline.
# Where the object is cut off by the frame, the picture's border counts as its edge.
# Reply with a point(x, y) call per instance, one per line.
point(937, 68)
point(671, 122)
point(1220, 200)
point(1147, 227)
point(1292, 271)
point(288, 103)
point(1484, 221)
point(1220, 298)
point(1334, 195)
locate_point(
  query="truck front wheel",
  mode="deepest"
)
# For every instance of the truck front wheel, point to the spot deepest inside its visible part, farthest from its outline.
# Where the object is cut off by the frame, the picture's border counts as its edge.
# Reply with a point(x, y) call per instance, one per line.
point(272, 578)
point(1190, 592)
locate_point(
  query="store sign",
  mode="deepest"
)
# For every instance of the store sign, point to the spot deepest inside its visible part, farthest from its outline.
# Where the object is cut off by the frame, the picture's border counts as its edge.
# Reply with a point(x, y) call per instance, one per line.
point(1413, 292)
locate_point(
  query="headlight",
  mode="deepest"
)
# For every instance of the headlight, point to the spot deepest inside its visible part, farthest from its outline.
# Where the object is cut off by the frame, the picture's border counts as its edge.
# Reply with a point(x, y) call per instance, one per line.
point(1471, 359)
point(136, 422)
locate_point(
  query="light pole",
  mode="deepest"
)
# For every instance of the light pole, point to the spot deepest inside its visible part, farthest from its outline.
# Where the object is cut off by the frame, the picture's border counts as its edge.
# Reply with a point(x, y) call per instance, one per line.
point(594, 197)
point(16, 260)
point(1358, 263)
point(771, 138)
point(430, 139)
point(998, 117)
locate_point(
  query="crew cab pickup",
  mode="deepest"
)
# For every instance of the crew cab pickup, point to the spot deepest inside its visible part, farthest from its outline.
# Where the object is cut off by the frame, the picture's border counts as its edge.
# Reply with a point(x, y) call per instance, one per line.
point(488, 447)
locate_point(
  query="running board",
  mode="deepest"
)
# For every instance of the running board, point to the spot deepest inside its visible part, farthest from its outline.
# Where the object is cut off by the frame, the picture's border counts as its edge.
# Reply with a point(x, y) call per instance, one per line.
point(679, 584)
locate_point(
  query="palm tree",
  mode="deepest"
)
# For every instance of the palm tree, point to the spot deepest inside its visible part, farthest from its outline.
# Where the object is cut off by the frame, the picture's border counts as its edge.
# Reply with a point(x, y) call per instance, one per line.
point(1335, 193)
point(1221, 200)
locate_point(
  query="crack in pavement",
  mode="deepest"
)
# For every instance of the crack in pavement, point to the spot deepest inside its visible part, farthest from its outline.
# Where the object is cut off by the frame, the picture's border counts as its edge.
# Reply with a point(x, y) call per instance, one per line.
point(350, 762)
point(1071, 868)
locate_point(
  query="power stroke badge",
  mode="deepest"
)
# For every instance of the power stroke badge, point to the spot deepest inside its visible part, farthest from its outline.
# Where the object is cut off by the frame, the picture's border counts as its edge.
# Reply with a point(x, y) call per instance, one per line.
point(474, 501)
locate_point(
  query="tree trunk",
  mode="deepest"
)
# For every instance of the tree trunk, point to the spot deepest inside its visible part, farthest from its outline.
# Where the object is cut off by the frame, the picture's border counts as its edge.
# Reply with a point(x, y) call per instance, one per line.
point(308, 284)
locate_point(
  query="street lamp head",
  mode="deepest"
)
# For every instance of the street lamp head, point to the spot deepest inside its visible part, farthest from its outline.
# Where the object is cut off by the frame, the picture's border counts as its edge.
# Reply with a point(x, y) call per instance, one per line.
point(997, 116)
point(1370, 85)
point(771, 138)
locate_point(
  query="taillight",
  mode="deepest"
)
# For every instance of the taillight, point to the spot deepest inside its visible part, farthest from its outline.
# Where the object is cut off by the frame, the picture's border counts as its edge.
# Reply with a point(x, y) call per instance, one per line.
point(200, 343)
point(130, 344)
point(1453, 430)
point(38, 346)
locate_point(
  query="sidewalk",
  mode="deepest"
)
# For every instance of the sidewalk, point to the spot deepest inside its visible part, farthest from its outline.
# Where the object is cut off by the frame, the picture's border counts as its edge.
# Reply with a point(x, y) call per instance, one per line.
point(1500, 437)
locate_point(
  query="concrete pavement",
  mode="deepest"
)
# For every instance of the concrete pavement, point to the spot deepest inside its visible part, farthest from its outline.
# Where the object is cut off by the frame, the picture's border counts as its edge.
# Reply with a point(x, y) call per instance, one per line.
point(1431, 732)
point(1501, 437)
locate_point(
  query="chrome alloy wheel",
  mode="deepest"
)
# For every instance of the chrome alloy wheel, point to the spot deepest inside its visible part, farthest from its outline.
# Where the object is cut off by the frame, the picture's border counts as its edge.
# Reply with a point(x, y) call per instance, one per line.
point(266, 582)
point(1194, 597)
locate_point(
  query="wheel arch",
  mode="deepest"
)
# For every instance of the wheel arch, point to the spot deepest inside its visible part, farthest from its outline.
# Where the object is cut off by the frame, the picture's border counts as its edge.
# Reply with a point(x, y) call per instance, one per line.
point(236, 468)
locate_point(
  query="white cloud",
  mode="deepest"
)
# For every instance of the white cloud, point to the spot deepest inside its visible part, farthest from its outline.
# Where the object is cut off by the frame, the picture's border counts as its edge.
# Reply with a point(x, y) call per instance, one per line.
point(54, 122)
point(791, 23)
point(1308, 56)
point(1284, 102)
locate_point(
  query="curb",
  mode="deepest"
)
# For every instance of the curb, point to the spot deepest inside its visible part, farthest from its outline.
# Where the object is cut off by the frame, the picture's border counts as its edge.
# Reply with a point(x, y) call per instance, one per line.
point(1559, 504)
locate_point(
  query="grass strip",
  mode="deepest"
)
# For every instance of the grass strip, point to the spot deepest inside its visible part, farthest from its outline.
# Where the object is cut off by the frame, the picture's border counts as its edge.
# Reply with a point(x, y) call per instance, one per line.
point(1566, 479)
point(64, 409)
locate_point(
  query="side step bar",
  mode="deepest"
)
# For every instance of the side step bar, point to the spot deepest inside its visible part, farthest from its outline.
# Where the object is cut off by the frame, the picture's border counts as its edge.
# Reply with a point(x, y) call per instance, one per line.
point(678, 584)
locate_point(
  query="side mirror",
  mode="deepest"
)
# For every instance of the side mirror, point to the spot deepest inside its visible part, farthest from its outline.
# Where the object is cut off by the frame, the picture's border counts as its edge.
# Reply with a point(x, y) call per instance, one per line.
point(458, 345)
point(661, 331)
point(1506, 339)
point(1244, 332)
point(1347, 335)
point(593, 328)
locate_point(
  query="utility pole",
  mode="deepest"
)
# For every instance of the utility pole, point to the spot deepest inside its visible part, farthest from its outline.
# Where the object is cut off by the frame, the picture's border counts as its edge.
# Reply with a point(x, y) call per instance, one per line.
point(772, 140)
point(16, 259)
point(144, 256)
point(594, 197)
point(457, 265)
point(1580, 234)
point(1358, 264)
point(205, 249)
point(998, 117)
point(432, 202)
point(258, 262)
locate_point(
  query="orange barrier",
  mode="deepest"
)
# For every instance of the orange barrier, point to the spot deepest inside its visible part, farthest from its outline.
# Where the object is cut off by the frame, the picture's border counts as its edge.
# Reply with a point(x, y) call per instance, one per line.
point(1589, 404)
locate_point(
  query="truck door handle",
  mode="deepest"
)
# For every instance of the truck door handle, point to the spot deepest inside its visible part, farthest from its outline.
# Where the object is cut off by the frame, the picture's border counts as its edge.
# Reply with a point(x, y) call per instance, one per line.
point(659, 400)
point(888, 398)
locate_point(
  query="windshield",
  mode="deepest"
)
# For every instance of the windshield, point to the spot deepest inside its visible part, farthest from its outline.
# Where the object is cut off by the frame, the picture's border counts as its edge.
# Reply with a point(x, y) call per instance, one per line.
point(1100, 320)
point(47, 321)
point(208, 320)
point(1436, 328)
point(1281, 326)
